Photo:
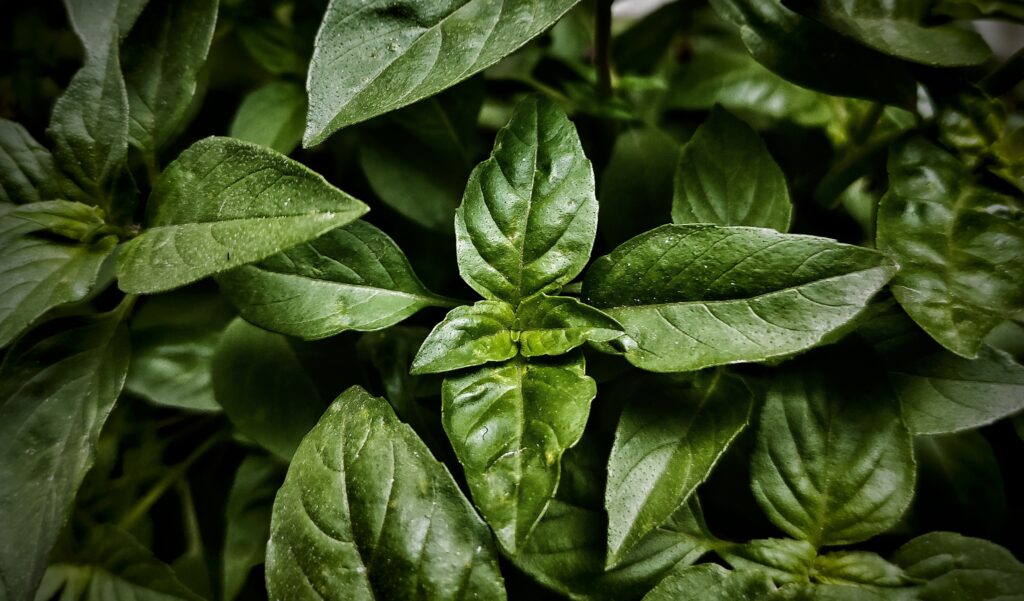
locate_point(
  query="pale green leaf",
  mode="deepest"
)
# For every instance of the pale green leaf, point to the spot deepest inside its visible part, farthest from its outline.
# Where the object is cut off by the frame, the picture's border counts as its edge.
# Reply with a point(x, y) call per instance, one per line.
point(272, 115)
point(857, 568)
point(710, 582)
point(468, 336)
point(554, 325)
point(27, 172)
point(783, 559)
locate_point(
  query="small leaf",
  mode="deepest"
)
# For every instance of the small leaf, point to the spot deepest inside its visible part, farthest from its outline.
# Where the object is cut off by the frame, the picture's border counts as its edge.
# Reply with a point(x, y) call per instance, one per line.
point(224, 203)
point(260, 384)
point(960, 568)
point(554, 325)
point(834, 463)
point(509, 425)
point(56, 389)
point(668, 439)
point(71, 220)
point(528, 218)
point(857, 568)
point(367, 513)
point(369, 60)
point(695, 296)
point(247, 520)
point(352, 278)
point(726, 176)
point(272, 116)
point(783, 559)
point(39, 272)
point(27, 172)
point(710, 582)
point(469, 336)
point(959, 246)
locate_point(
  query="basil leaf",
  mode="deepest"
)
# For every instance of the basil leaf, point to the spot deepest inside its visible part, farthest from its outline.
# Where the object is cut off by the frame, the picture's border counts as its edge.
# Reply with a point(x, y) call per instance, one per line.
point(961, 568)
point(710, 582)
point(971, 123)
point(635, 192)
point(359, 486)
point(260, 384)
point(27, 172)
point(958, 244)
point(369, 60)
point(810, 55)
point(1009, 154)
point(528, 218)
point(783, 559)
point(272, 116)
point(113, 565)
point(224, 203)
point(554, 325)
point(834, 463)
point(71, 220)
point(277, 47)
point(162, 58)
point(39, 272)
point(468, 336)
point(857, 568)
point(726, 176)
point(667, 442)
point(509, 425)
point(352, 278)
point(897, 30)
point(57, 387)
point(695, 296)
point(247, 520)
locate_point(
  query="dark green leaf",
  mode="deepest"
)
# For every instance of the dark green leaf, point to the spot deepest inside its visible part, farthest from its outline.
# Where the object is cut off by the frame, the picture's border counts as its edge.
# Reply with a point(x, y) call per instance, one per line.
point(834, 463)
point(694, 296)
point(40, 272)
point(247, 520)
point(509, 425)
point(960, 568)
point(162, 59)
point(277, 48)
point(260, 384)
point(1009, 153)
point(709, 582)
point(958, 244)
point(367, 513)
point(970, 122)
point(858, 568)
point(56, 389)
point(273, 116)
point(528, 218)
point(371, 59)
point(225, 203)
point(554, 325)
point(27, 173)
point(783, 559)
point(469, 336)
point(636, 185)
point(1011, 10)
point(352, 278)
point(726, 176)
point(668, 440)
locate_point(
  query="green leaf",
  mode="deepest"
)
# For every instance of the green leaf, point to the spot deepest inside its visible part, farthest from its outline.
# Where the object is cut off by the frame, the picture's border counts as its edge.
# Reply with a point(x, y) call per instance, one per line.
point(857, 568)
point(172, 350)
point(247, 520)
point(528, 218)
point(260, 384)
point(367, 513)
point(352, 278)
point(273, 116)
point(970, 122)
point(369, 60)
point(959, 246)
point(554, 325)
point(783, 559)
point(71, 220)
point(57, 386)
point(468, 336)
point(1009, 154)
point(667, 442)
point(277, 47)
point(961, 568)
point(162, 59)
point(224, 203)
point(113, 565)
point(40, 272)
point(635, 192)
point(27, 172)
point(897, 30)
point(695, 296)
point(982, 9)
point(726, 176)
point(834, 463)
point(810, 55)
point(509, 425)
point(710, 582)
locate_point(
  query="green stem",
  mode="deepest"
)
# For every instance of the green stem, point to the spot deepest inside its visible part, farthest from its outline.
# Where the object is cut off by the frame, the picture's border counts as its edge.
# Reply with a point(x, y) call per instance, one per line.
point(1005, 77)
point(603, 48)
point(152, 168)
point(863, 131)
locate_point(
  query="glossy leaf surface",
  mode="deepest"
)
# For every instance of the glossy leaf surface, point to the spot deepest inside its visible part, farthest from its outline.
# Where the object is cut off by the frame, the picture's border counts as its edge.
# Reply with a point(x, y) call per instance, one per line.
point(554, 325)
point(469, 336)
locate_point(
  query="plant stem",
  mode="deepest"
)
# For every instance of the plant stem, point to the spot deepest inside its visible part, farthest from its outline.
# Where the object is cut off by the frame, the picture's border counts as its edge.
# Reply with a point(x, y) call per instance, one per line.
point(1004, 77)
point(603, 48)
point(863, 131)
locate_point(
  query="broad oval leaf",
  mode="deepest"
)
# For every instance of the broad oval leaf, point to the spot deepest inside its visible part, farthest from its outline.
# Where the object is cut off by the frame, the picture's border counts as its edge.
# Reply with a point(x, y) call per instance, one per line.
point(961, 568)
point(373, 58)
point(57, 386)
point(959, 246)
point(668, 439)
point(40, 272)
point(224, 203)
point(695, 296)
point(554, 325)
point(529, 215)
point(272, 115)
point(509, 425)
point(468, 336)
point(726, 176)
point(367, 513)
point(27, 172)
point(834, 463)
point(352, 278)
